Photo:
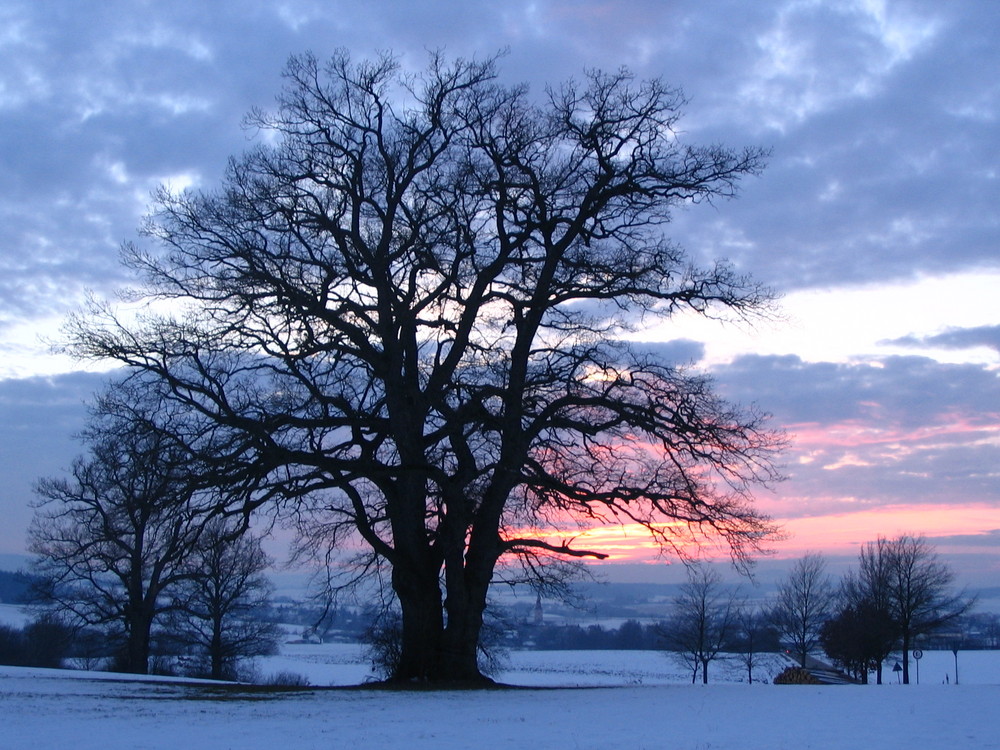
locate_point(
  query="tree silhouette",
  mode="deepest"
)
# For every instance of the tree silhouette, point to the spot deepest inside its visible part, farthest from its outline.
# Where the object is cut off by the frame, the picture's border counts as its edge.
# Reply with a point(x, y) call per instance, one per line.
point(920, 599)
point(112, 539)
point(867, 594)
point(218, 608)
point(406, 314)
point(804, 601)
point(703, 620)
point(856, 638)
point(753, 638)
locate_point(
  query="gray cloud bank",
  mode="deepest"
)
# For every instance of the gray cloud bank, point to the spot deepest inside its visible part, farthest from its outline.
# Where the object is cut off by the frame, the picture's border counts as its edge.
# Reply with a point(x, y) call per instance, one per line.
point(882, 120)
point(39, 418)
point(903, 430)
point(955, 338)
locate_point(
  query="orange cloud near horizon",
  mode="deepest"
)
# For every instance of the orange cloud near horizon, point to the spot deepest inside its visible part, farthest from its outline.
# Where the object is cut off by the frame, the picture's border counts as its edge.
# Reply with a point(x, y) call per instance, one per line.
point(841, 533)
point(835, 534)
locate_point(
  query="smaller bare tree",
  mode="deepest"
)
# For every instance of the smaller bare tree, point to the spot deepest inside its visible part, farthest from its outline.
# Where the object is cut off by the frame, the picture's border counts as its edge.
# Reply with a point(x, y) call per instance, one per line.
point(702, 620)
point(218, 608)
point(753, 637)
point(858, 638)
point(865, 597)
point(111, 539)
point(804, 602)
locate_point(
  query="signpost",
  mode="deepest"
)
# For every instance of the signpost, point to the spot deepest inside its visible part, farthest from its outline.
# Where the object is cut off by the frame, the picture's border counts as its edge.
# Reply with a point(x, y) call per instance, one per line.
point(917, 656)
point(955, 652)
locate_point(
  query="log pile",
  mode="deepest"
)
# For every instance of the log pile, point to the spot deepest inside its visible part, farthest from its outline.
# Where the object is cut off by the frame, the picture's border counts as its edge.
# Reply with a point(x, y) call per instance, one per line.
point(796, 676)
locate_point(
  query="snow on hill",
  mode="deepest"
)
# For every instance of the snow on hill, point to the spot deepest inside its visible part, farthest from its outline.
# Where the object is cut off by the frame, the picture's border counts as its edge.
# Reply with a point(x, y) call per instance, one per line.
point(13, 615)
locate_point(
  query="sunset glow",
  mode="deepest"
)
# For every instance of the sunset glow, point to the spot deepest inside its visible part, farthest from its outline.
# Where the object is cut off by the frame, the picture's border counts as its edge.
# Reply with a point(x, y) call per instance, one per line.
point(842, 533)
point(834, 533)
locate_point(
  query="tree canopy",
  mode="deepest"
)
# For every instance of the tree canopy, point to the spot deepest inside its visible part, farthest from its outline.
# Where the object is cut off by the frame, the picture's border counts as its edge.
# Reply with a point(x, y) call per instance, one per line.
point(403, 318)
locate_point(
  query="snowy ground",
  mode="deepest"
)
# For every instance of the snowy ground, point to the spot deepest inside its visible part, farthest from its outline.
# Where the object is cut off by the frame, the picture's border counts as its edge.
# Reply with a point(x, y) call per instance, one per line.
point(339, 664)
point(345, 664)
point(60, 709)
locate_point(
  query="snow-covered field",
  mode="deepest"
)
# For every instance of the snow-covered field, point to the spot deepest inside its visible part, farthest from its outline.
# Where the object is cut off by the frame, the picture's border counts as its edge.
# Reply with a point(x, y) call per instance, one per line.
point(641, 706)
point(345, 664)
point(339, 664)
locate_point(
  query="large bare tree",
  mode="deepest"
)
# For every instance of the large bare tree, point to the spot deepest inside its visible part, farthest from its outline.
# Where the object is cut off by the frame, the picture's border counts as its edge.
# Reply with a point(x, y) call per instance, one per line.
point(408, 306)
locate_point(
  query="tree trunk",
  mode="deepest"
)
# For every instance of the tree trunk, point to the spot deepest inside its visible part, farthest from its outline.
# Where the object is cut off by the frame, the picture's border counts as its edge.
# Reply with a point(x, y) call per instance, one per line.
point(422, 636)
point(704, 671)
point(425, 652)
point(465, 609)
point(431, 652)
point(906, 657)
point(468, 573)
point(460, 655)
point(137, 646)
point(440, 639)
point(216, 650)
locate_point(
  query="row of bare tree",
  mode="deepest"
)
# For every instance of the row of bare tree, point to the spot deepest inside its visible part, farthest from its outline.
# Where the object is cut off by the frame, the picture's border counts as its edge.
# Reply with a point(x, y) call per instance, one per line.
point(900, 592)
point(129, 545)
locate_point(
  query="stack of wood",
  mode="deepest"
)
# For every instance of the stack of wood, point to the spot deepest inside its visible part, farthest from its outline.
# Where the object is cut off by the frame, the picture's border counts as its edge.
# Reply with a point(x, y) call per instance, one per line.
point(796, 676)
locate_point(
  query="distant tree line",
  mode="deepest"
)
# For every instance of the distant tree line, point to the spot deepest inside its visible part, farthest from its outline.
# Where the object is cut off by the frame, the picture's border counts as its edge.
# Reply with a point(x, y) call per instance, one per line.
point(898, 596)
point(44, 642)
point(15, 587)
point(631, 635)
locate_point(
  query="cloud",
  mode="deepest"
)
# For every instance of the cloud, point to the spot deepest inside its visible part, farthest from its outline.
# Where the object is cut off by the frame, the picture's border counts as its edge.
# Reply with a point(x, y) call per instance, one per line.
point(855, 189)
point(903, 430)
point(903, 391)
point(100, 104)
point(880, 119)
point(678, 351)
point(954, 338)
point(988, 538)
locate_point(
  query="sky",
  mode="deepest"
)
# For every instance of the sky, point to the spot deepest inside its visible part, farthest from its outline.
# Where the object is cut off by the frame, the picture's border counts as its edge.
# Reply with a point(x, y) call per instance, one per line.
point(877, 219)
